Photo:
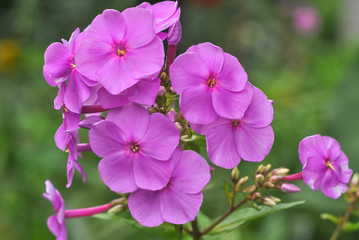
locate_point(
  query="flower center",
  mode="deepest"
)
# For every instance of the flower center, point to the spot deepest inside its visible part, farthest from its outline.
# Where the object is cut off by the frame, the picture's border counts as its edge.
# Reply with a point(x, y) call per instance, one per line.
point(73, 65)
point(211, 82)
point(135, 147)
point(120, 50)
point(235, 122)
point(329, 165)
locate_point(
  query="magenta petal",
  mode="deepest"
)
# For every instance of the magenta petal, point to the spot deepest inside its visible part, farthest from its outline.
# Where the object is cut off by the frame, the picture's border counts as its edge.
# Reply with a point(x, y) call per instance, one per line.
point(229, 104)
point(329, 147)
point(109, 26)
point(188, 70)
point(341, 168)
point(59, 100)
point(161, 138)
point(196, 105)
point(61, 137)
point(116, 171)
point(211, 55)
point(106, 138)
point(115, 77)
point(57, 66)
point(313, 172)
point(56, 228)
point(145, 207)
point(150, 173)
point(91, 56)
point(150, 57)
point(107, 100)
point(204, 128)
point(232, 77)
point(308, 147)
point(132, 119)
point(76, 93)
point(140, 27)
point(191, 173)
point(260, 110)
point(144, 92)
point(178, 207)
point(331, 186)
point(164, 10)
point(254, 144)
point(221, 147)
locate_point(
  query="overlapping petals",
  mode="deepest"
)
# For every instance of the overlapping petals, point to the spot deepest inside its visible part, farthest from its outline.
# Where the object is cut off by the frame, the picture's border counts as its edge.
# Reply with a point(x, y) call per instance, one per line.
point(179, 201)
point(324, 165)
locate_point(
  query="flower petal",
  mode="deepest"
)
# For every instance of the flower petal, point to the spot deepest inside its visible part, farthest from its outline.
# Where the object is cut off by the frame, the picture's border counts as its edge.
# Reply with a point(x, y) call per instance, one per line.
point(221, 147)
point(108, 26)
point(204, 128)
point(145, 207)
point(341, 168)
point(106, 138)
point(161, 138)
point(76, 93)
point(331, 186)
point(211, 55)
point(178, 207)
point(57, 66)
point(187, 71)
point(107, 100)
point(140, 27)
point(254, 144)
point(232, 76)
point(151, 174)
point(196, 105)
point(314, 171)
point(132, 119)
point(191, 173)
point(56, 228)
point(59, 100)
point(230, 104)
point(144, 92)
point(116, 171)
point(146, 61)
point(260, 111)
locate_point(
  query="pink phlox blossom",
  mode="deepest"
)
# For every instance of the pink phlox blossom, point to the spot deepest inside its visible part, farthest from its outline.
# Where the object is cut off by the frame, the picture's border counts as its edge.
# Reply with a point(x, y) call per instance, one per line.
point(250, 137)
point(135, 147)
point(60, 66)
point(324, 165)
point(211, 84)
point(180, 200)
point(56, 222)
point(72, 162)
point(121, 49)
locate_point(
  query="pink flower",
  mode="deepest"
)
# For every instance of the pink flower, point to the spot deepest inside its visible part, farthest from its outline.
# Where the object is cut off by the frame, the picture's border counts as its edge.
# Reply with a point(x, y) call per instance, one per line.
point(210, 83)
point(249, 137)
point(56, 222)
point(165, 13)
point(72, 161)
point(180, 200)
point(59, 67)
point(135, 147)
point(324, 165)
point(306, 20)
point(121, 49)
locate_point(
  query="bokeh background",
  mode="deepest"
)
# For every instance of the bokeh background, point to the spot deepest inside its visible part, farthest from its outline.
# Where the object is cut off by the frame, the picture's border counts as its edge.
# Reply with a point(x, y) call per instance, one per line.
point(303, 54)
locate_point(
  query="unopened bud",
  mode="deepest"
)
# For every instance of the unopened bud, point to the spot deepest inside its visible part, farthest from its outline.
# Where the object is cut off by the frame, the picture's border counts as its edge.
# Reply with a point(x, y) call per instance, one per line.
point(280, 171)
point(117, 209)
point(289, 188)
point(172, 115)
point(268, 201)
point(242, 181)
point(266, 169)
point(275, 179)
point(161, 91)
point(268, 185)
point(259, 178)
point(179, 126)
point(275, 199)
point(235, 175)
point(355, 180)
point(256, 196)
point(174, 33)
point(249, 188)
point(260, 168)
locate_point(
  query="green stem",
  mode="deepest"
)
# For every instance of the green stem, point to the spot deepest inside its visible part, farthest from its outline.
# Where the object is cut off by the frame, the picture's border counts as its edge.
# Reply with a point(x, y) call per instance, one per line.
point(341, 225)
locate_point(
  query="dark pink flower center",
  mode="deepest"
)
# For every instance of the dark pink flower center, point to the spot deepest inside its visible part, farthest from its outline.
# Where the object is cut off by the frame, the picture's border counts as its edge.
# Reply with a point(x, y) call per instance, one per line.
point(235, 122)
point(120, 50)
point(211, 82)
point(329, 165)
point(135, 147)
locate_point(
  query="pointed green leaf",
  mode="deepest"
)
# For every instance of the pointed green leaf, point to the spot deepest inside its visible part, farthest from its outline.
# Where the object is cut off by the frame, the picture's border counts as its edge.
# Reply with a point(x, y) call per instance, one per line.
point(350, 226)
point(330, 217)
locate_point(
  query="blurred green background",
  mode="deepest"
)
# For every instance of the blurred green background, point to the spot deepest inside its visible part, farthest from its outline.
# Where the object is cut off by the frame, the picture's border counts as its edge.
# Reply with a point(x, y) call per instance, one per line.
point(311, 74)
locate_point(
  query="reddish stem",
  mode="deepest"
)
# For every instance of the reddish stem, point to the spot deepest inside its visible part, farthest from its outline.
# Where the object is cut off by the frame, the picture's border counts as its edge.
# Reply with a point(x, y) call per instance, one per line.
point(83, 147)
point(92, 109)
point(294, 177)
point(171, 55)
point(86, 212)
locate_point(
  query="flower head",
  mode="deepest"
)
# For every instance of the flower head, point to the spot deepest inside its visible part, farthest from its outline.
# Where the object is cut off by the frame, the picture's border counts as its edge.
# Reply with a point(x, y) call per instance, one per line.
point(324, 165)
point(121, 49)
point(135, 147)
point(56, 222)
point(249, 137)
point(211, 84)
point(179, 201)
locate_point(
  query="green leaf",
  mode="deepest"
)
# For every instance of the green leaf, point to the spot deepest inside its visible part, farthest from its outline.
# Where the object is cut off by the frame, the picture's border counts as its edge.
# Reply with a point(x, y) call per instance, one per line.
point(241, 216)
point(228, 193)
point(178, 229)
point(350, 226)
point(330, 217)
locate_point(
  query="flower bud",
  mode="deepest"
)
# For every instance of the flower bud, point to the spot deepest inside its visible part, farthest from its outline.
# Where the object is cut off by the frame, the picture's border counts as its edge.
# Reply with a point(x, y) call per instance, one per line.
point(161, 91)
point(179, 126)
point(174, 33)
point(260, 179)
point(88, 122)
point(249, 188)
point(266, 169)
point(268, 201)
point(117, 209)
point(275, 179)
point(260, 169)
point(275, 199)
point(355, 180)
point(256, 196)
point(280, 171)
point(242, 181)
point(289, 188)
point(235, 175)
point(268, 185)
